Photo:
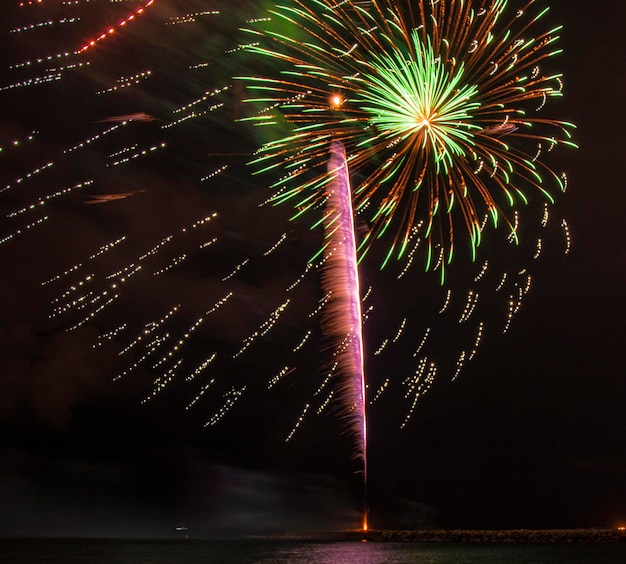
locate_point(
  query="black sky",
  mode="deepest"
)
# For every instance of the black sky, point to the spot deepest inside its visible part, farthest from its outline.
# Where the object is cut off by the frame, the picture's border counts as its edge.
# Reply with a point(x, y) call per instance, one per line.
point(531, 434)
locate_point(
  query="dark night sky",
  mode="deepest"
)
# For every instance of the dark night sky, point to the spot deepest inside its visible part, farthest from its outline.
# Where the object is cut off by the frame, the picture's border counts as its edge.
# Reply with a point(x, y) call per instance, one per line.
point(531, 434)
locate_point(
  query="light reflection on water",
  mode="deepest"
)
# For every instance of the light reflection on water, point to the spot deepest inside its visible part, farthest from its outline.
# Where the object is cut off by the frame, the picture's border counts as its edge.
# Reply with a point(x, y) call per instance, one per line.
point(353, 552)
point(426, 553)
point(60, 551)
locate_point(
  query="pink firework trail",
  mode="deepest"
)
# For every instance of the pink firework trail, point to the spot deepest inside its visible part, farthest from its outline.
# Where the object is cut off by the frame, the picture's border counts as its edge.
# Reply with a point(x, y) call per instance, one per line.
point(342, 317)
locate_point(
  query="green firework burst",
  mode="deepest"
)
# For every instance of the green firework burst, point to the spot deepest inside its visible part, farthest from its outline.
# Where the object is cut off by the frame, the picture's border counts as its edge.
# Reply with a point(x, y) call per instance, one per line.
point(438, 104)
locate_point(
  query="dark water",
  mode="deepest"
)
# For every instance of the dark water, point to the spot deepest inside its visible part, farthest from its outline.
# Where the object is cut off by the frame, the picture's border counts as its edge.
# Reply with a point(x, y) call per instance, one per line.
point(264, 551)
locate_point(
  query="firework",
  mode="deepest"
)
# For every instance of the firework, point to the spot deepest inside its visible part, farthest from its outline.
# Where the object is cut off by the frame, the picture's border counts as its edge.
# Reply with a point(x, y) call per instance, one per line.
point(157, 278)
point(342, 315)
point(435, 103)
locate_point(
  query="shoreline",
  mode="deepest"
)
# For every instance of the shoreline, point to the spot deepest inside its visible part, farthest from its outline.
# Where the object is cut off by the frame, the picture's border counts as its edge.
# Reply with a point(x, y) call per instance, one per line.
point(486, 535)
point(432, 536)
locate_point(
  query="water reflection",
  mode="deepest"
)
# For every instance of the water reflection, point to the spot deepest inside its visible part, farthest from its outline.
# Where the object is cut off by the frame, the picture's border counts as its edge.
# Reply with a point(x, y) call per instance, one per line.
point(423, 553)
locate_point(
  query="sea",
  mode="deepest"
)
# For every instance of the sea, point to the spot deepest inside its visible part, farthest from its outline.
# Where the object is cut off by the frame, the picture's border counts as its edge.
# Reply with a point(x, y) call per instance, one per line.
point(51, 551)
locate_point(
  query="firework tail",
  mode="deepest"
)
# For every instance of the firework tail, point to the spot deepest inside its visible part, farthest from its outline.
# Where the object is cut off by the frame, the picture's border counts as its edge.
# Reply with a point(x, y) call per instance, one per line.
point(342, 317)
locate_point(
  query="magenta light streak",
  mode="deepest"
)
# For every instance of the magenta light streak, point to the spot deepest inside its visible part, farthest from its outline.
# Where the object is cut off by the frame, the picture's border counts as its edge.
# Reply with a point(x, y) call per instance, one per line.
point(342, 316)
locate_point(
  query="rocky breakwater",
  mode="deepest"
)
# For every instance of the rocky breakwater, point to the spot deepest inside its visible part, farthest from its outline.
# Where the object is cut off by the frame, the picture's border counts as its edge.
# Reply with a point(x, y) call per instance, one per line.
point(491, 536)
